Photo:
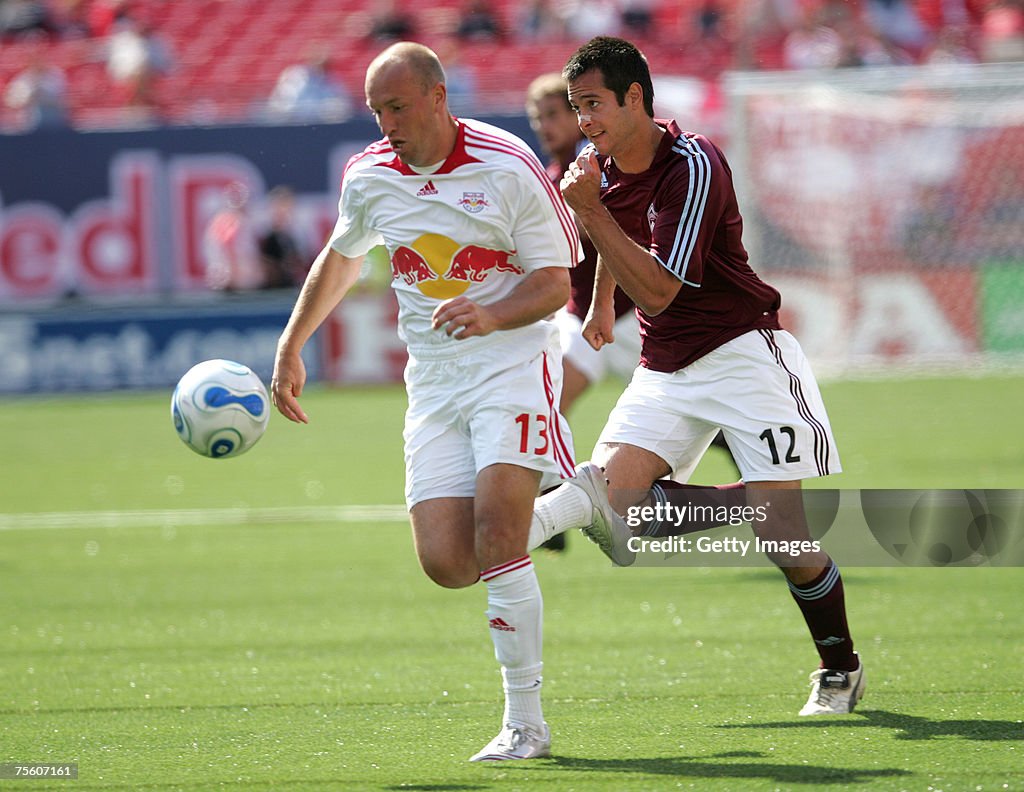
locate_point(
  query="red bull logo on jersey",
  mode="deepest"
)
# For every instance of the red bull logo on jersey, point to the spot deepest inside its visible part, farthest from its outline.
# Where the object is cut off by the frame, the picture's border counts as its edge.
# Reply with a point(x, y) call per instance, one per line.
point(442, 268)
point(473, 202)
point(473, 263)
point(410, 266)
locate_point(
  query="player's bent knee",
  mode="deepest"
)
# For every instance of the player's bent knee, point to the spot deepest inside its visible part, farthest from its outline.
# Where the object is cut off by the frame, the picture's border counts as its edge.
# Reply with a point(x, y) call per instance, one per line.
point(451, 575)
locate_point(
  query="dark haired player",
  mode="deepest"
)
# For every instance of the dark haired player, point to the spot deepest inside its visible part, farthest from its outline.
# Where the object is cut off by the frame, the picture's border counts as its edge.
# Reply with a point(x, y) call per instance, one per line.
point(660, 206)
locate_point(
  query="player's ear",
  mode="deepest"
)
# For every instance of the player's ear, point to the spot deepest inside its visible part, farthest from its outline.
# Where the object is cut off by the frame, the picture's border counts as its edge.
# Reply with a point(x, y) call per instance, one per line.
point(635, 95)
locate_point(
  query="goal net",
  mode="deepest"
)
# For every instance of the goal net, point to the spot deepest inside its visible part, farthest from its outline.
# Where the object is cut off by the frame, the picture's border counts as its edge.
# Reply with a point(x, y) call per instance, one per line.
point(888, 207)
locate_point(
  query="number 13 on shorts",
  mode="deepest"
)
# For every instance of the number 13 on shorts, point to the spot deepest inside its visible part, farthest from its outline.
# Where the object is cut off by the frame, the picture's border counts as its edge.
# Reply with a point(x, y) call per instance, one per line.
point(533, 434)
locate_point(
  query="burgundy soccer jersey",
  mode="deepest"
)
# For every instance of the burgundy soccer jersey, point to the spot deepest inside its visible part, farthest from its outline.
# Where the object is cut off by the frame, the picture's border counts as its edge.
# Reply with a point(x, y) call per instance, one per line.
point(683, 210)
point(581, 277)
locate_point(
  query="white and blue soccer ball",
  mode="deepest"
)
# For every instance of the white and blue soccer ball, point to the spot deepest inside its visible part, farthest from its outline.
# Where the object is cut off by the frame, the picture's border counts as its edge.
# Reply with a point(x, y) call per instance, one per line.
point(220, 408)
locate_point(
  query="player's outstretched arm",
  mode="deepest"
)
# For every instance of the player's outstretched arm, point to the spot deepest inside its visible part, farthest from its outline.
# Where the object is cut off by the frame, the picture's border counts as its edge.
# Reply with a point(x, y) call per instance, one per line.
point(535, 297)
point(329, 279)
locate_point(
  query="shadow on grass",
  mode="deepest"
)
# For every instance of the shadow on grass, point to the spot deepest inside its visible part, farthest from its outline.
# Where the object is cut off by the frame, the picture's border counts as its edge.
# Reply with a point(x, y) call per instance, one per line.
point(687, 767)
point(907, 727)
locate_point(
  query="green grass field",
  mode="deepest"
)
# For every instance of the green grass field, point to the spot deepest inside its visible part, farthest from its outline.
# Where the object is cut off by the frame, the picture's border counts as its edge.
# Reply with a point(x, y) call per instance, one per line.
point(165, 628)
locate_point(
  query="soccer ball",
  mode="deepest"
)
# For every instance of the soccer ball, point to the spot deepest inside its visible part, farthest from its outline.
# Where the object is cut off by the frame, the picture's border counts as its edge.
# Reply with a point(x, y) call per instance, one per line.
point(220, 408)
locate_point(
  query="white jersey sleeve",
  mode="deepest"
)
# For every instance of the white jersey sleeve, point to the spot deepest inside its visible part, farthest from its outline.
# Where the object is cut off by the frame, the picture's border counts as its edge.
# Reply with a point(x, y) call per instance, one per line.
point(352, 235)
point(544, 238)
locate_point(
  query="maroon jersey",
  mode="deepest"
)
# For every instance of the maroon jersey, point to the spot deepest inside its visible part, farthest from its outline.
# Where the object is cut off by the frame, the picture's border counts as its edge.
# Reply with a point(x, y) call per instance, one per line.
point(581, 277)
point(683, 210)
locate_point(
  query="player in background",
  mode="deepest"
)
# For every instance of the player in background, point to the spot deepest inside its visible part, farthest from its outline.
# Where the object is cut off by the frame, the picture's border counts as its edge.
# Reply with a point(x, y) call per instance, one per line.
point(660, 206)
point(480, 242)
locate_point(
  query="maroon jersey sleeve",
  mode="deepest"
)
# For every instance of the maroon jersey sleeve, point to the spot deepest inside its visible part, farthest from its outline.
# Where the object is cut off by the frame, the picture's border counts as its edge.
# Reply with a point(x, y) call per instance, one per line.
point(684, 213)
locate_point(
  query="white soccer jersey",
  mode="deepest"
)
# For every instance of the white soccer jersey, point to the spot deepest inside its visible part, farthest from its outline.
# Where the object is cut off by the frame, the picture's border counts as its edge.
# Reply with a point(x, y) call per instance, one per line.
point(476, 226)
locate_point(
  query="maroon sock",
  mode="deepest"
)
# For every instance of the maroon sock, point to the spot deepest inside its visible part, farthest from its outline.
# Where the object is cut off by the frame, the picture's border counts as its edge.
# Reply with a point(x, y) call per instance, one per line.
point(696, 508)
point(823, 605)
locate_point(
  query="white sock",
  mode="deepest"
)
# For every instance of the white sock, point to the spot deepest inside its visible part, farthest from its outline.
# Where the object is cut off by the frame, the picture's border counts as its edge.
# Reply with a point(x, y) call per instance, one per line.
point(522, 696)
point(560, 510)
point(515, 614)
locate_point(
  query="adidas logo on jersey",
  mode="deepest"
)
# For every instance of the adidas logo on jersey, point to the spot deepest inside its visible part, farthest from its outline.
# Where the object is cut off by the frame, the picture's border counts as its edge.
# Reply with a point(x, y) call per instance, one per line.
point(427, 189)
point(498, 623)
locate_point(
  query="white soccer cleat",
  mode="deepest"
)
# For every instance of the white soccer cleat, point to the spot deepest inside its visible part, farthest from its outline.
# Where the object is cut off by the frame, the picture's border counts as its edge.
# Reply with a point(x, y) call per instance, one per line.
point(607, 529)
point(516, 742)
point(835, 692)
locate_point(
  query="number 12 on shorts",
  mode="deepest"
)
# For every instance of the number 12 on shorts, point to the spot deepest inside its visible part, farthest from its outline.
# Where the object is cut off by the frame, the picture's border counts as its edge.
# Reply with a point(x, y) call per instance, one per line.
point(533, 434)
point(769, 437)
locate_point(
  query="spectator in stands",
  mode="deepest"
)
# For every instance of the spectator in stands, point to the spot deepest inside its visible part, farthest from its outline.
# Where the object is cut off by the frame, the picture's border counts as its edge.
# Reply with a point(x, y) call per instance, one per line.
point(896, 22)
point(71, 18)
point(38, 95)
point(284, 261)
point(585, 19)
point(306, 92)
point(24, 19)
point(390, 23)
point(229, 244)
point(137, 58)
point(638, 17)
point(477, 22)
point(538, 20)
point(812, 45)
point(762, 30)
point(951, 45)
point(103, 15)
point(712, 44)
point(460, 78)
point(1002, 31)
point(710, 20)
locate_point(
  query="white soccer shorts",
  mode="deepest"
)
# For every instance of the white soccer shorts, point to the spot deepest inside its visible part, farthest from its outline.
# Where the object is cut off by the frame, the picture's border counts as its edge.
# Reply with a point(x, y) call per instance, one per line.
point(619, 357)
point(497, 405)
point(758, 388)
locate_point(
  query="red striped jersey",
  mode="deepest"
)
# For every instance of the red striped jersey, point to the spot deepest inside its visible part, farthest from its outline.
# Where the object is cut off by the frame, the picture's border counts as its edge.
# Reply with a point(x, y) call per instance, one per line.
point(683, 209)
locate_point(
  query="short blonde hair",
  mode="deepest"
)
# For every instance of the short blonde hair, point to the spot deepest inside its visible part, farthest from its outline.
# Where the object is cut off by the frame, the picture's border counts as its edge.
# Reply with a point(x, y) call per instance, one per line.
point(550, 84)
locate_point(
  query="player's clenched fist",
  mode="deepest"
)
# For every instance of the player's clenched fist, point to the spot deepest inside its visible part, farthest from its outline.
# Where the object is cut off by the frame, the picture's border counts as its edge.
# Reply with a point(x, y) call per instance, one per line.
point(599, 326)
point(581, 184)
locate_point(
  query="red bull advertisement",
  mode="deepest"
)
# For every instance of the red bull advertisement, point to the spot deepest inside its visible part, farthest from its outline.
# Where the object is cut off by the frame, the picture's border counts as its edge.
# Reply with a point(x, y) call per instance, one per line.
point(128, 219)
